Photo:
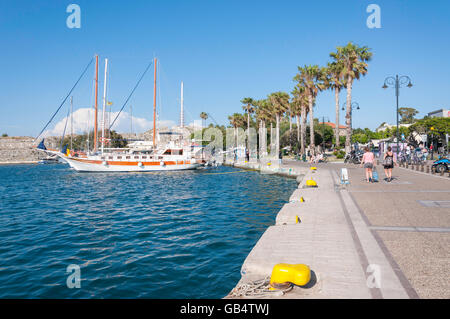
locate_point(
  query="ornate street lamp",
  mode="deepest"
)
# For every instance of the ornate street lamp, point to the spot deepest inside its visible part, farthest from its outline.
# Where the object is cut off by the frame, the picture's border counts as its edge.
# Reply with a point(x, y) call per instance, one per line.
point(354, 106)
point(397, 83)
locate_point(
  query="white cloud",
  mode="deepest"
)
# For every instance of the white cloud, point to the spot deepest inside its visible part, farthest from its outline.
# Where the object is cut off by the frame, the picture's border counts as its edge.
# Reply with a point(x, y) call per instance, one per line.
point(83, 120)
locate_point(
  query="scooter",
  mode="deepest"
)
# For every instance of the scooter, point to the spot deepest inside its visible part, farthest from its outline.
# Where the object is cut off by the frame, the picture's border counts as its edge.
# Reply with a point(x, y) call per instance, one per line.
point(442, 165)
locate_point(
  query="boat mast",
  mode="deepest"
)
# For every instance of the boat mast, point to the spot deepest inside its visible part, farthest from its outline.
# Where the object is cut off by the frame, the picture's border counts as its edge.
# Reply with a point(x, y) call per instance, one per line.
point(71, 122)
point(131, 120)
point(104, 105)
point(182, 107)
point(96, 104)
point(154, 107)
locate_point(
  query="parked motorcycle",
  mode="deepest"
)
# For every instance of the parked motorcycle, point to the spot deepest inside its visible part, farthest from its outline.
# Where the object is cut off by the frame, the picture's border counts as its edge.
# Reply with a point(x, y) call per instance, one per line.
point(442, 165)
point(354, 157)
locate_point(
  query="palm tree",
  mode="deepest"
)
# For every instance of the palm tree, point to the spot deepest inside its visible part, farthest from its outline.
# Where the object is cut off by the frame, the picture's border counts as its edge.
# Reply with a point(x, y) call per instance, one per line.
point(335, 81)
point(263, 115)
point(302, 108)
point(204, 117)
point(236, 120)
point(248, 107)
point(295, 108)
point(311, 77)
point(354, 60)
point(280, 103)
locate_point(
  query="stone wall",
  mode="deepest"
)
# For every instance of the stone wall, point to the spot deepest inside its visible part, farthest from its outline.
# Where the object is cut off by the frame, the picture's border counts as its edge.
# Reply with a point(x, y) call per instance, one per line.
point(20, 149)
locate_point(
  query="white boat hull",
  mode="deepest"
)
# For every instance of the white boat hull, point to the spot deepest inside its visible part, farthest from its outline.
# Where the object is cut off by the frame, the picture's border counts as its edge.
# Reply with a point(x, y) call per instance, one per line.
point(85, 165)
point(89, 167)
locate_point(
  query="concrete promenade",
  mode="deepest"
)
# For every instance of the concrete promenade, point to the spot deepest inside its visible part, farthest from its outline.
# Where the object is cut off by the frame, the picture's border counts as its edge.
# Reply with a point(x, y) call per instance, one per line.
point(361, 240)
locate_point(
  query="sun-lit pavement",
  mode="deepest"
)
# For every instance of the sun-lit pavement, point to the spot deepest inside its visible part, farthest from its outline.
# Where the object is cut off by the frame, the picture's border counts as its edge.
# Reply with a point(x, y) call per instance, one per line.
point(410, 219)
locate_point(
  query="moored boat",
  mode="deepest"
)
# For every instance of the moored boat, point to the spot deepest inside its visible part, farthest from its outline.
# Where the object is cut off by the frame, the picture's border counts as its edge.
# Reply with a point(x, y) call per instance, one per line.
point(168, 156)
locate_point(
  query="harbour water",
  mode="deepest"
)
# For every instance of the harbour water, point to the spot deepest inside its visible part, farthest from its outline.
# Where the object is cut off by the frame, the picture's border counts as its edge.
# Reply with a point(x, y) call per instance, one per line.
point(159, 235)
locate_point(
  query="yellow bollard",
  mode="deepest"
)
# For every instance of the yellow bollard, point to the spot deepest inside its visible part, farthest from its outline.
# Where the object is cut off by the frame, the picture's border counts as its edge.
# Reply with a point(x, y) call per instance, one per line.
point(297, 274)
point(311, 183)
point(297, 220)
point(302, 199)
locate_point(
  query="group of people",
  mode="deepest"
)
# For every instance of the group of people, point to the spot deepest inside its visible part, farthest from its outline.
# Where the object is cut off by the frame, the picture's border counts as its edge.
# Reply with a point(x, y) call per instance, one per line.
point(316, 158)
point(409, 153)
point(368, 161)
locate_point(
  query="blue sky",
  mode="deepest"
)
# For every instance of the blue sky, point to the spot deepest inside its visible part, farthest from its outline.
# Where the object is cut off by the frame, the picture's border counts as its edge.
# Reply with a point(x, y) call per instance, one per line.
point(222, 50)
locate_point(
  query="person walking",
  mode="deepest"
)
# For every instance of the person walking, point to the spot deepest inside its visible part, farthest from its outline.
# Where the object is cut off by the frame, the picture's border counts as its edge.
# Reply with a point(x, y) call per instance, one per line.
point(368, 162)
point(388, 163)
point(408, 154)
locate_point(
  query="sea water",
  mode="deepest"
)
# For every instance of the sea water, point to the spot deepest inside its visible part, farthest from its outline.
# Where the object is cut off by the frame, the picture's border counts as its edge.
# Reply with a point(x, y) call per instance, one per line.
point(130, 235)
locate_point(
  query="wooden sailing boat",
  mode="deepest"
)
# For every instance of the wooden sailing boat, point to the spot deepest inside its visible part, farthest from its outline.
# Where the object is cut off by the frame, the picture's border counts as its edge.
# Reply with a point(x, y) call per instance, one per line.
point(174, 155)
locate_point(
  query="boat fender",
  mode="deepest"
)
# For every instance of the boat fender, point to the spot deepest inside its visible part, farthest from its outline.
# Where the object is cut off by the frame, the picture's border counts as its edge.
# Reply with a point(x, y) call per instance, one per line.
point(105, 163)
point(162, 164)
point(140, 164)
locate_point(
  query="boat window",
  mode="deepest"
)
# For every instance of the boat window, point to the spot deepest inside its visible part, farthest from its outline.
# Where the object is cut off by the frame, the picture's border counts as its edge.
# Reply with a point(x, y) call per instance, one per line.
point(136, 157)
point(167, 152)
point(144, 157)
point(110, 157)
point(177, 152)
point(102, 157)
point(128, 157)
point(160, 157)
point(119, 157)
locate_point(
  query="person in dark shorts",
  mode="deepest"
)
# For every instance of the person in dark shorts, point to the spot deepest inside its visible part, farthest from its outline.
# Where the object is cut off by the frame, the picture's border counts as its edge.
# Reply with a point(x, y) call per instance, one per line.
point(388, 163)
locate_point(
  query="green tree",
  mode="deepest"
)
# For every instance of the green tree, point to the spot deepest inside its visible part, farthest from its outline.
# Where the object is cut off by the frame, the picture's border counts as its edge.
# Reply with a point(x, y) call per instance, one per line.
point(334, 72)
point(301, 101)
point(354, 60)
point(280, 103)
point(312, 78)
point(236, 120)
point(440, 125)
point(204, 117)
point(263, 115)
point(407, 115)
point(249, 109)
point(80, 143)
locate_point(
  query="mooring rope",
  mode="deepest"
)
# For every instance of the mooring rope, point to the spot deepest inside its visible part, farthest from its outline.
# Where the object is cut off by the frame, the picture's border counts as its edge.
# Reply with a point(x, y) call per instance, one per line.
point(257, 288)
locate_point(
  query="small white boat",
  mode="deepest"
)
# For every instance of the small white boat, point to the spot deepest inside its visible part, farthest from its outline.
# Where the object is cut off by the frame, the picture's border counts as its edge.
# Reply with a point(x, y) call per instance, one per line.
point(49, 160)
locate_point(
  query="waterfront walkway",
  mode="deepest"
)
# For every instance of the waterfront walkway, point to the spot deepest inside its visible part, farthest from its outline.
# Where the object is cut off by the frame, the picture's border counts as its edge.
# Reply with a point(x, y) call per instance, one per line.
point(378, 240)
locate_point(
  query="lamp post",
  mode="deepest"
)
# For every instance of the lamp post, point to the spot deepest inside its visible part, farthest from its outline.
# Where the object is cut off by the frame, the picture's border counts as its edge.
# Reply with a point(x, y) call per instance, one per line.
point(397, 83)
point(353, 105)
point(323, 131)
point(432, 140)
